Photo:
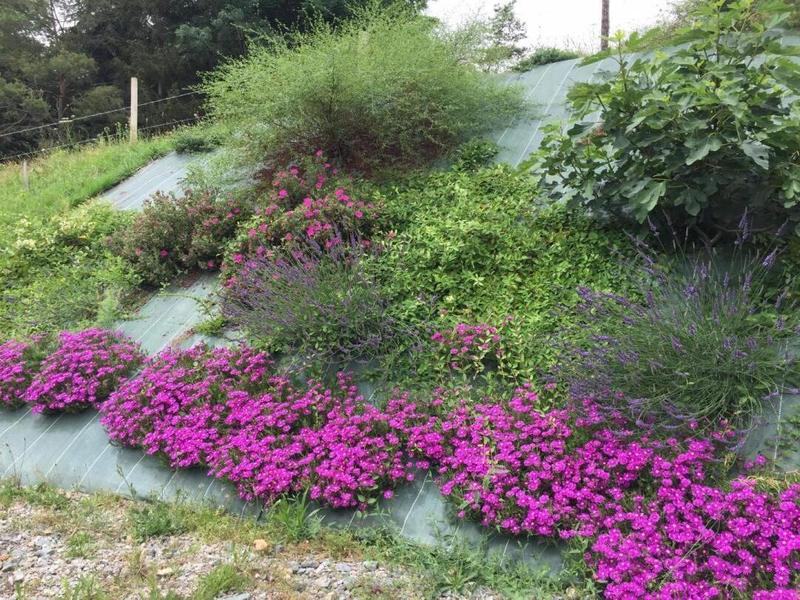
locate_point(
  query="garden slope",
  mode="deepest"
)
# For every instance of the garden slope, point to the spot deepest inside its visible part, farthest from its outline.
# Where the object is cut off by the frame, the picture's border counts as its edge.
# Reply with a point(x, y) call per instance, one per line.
point(73, 451)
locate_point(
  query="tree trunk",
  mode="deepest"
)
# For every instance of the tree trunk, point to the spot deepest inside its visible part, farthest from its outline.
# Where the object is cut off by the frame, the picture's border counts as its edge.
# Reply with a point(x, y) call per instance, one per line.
point(604, 26)
point(61, 101)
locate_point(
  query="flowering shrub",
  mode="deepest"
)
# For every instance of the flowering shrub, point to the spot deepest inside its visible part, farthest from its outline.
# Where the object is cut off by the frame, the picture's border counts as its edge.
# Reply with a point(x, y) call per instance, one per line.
point(704, 342)
point(174, 234)
point(83, 370)
point(19, 362)
point(470, 349)
point(176, 406)
point(311, 301)
point(304, 202)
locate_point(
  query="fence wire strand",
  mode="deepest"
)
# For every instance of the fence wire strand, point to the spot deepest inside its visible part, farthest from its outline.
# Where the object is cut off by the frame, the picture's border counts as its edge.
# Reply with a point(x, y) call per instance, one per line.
point(99, 114)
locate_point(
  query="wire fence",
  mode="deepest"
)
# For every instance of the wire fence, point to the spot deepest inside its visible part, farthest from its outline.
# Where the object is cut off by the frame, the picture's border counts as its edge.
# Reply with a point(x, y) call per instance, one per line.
point(98, 114)
point(97, 138)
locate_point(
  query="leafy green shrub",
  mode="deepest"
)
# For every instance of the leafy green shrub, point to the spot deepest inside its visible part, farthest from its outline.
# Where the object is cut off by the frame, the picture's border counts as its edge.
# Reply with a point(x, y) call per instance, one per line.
point(700, 132)
point(705, 347)
point(475, 248)
point(175, 234)
point(385, 89)
point(474, 154)
point(194, 140)
point(544, 55)
point(59, 274)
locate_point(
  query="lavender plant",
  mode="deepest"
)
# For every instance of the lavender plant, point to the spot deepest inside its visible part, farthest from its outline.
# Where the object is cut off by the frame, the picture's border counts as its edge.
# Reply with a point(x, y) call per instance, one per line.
point(312, 299)
point(708, 341)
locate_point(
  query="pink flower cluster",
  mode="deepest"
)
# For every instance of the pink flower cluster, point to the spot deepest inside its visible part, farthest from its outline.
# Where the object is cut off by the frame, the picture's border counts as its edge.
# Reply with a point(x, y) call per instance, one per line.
point(19, 362)
point(326, 440)
point(82, 371)
point(176, 406)
point(226, 410)
point(655, 524)
point(305, 203)
point(693, 540)
point(470, 349)
point(659, 529)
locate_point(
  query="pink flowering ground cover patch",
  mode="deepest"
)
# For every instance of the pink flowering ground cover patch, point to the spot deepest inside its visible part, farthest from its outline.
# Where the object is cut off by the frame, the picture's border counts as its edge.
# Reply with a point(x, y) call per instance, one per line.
point(85, 367)
point(227, 410)
point(19, 363)
point(346, 452)
point(658, 524)
point(656, 517)
point(176, 406)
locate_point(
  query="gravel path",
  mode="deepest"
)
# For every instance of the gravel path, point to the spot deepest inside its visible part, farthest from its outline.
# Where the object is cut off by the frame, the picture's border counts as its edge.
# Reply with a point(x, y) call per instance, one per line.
point(84, 551)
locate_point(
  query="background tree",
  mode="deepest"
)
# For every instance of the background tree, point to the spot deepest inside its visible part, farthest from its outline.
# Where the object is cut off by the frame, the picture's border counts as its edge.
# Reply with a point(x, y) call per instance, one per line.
point(504, 34)
point(74, 58)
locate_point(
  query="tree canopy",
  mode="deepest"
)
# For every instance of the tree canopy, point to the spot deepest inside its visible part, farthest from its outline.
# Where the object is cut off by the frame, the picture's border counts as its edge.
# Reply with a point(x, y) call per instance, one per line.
point(61, 59)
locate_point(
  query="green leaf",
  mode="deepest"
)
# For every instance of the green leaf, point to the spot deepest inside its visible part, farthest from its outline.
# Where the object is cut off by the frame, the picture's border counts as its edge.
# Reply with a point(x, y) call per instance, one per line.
point(692, 200)
point(757, 151)
point(699, 148)
point(648, 198)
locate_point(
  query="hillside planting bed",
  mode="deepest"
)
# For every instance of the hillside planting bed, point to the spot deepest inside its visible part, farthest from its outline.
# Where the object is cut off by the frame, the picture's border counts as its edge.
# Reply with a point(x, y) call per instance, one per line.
point(591, 381)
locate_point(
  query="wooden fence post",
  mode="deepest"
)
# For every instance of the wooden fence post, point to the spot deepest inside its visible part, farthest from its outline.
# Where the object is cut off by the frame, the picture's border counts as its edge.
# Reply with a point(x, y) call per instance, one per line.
point(26, 182)
point(134, 122)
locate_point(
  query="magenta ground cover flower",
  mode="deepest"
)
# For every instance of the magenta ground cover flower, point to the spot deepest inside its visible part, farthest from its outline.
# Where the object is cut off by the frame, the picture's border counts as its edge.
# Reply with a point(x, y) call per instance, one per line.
point(177, 404)
point(470, 349)
point(654, 521)
point(83, 370)
point(658, 527)
point(329, 441)
point(19, 363)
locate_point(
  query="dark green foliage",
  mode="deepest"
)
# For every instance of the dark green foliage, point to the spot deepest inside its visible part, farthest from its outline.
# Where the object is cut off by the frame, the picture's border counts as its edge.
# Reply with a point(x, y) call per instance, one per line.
point(191, 141)
point(475, 248)
point(70, 58)
point(505, 32)
point(699, 133)
point(474, 154)
point(384, 90)
point(542, 56)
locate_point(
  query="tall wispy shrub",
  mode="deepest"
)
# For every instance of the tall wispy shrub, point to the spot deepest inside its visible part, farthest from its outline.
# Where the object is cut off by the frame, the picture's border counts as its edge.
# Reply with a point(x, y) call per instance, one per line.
point(386, 89)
